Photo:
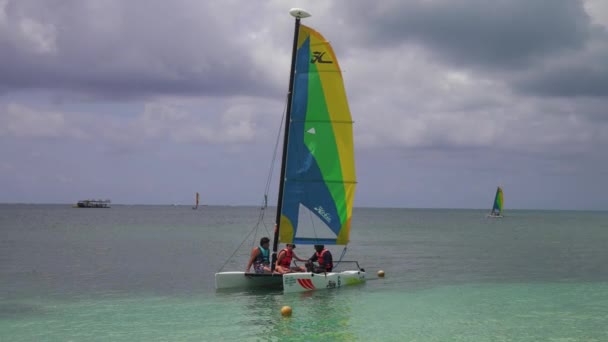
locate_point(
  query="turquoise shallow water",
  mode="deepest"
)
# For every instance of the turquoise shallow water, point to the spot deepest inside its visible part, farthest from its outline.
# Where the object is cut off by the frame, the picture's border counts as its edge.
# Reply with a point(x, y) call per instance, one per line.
point(145, 273)
point(489, 312)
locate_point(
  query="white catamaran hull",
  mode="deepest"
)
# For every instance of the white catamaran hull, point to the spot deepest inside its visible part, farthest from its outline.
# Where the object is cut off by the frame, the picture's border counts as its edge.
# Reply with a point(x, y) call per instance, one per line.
point(291, 282)
point(302, 282)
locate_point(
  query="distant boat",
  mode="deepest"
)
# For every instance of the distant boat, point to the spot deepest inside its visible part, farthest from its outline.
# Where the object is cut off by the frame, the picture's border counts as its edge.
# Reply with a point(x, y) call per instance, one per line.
point(93, 204)
point(317, 179)
point(498, 204)
point(197, 200)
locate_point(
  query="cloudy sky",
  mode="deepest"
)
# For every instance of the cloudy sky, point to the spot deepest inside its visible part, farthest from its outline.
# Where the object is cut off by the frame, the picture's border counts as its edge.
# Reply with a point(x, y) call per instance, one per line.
point(148, 101)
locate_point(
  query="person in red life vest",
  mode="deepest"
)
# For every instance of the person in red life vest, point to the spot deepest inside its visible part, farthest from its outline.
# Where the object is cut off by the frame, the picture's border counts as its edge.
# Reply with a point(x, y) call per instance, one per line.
point(284, 260)
point(323, 257)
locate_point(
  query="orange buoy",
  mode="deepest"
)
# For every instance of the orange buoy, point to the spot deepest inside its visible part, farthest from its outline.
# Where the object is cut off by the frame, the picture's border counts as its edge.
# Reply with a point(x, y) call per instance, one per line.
point(286, 311)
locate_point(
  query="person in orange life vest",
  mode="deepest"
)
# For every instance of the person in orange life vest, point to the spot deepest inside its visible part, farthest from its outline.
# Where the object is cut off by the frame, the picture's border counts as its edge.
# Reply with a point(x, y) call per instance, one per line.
point(323, 257)
point(284, 260)
point(260, 257)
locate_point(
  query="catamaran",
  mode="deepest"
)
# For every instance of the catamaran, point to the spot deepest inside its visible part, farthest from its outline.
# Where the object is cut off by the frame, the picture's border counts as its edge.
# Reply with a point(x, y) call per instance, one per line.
point(497, 206)
point(317, 177)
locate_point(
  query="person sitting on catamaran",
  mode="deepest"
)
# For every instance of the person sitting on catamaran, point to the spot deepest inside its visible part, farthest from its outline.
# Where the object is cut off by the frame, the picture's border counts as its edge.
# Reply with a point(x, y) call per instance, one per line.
point(284, 260)
point(260, 257)
point(323, 257)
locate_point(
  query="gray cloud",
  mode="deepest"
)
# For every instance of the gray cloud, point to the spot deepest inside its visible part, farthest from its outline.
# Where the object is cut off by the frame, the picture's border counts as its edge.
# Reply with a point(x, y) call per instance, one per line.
point(544, 47)
point(497, 34)
point(126, 49)
point(584, 73)
point(577, 80)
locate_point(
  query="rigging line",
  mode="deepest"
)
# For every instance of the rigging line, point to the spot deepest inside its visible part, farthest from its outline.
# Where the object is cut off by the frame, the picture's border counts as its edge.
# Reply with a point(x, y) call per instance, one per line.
point(273, 162)
point(341, 256)
point(239, 247)
point(266, 190)
point(276, 149)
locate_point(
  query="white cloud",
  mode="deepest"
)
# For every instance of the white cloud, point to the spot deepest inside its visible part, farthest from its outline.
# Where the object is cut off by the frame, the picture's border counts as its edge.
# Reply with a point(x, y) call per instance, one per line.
point(598, 10)
point(42, 37)
point(3, 14)
point(22, 121)
point(173, 121)
point(182, 125)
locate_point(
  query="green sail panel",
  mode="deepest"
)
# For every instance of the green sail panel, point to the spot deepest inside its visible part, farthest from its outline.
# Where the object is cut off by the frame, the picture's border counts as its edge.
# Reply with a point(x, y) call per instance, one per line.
point(320, 164)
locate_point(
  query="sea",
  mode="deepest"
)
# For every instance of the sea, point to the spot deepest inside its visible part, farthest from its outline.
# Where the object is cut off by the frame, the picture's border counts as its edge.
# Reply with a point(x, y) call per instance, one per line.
point(146, 273)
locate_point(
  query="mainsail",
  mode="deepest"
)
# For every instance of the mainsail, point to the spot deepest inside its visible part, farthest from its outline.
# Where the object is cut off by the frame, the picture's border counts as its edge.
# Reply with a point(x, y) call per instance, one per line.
point(319, 166)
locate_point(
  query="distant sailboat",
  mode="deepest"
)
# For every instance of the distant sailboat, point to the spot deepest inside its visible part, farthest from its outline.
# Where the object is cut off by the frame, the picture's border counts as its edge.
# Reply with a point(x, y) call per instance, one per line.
point(498, 204)
point(197, 200)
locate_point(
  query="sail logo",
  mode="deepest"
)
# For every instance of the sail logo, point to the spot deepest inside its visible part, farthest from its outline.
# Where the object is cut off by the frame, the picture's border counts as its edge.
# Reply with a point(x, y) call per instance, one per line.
point(317, 57)
point(324, 214)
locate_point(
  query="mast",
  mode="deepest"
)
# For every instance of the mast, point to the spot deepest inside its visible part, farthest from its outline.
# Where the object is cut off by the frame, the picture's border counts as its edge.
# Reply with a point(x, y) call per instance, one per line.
point(298, 13)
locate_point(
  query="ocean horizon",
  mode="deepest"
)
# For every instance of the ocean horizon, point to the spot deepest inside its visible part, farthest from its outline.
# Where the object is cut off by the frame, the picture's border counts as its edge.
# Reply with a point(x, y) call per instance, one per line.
point(273, 207)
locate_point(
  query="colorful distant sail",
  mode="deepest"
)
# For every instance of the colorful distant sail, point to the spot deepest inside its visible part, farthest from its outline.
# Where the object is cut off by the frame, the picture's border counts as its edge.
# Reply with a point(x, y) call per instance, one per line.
point(320, 165)
point(498, 203)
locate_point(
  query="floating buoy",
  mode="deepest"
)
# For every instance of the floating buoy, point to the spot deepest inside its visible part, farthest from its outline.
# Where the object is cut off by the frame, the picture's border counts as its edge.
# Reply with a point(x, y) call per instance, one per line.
point(286, 311)
point(381, 274)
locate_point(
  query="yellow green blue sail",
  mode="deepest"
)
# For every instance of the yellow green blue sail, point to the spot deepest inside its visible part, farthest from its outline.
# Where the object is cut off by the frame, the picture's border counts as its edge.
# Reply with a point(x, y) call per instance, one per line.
point(320, 164)
point(498, 203)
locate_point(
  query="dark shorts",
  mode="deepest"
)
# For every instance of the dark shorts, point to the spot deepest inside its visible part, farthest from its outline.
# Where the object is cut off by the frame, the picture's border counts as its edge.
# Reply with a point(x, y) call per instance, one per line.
point(258, 267)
